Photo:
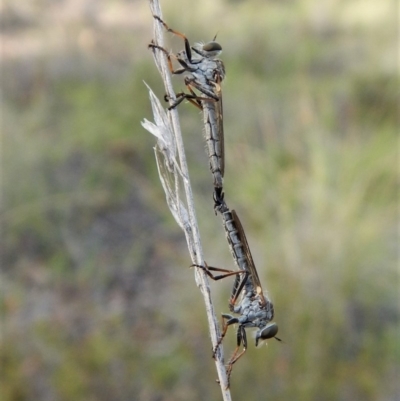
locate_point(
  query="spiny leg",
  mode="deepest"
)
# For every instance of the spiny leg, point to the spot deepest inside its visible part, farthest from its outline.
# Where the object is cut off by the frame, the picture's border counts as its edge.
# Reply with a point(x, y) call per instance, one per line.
point(241, 338)
point(180, 97)
point(225, 326)
point(191, 97)
point(227, 273)
point(212, 97)
point(237, 288)
point(152, 45)
point(195, 101)
point(181, 35)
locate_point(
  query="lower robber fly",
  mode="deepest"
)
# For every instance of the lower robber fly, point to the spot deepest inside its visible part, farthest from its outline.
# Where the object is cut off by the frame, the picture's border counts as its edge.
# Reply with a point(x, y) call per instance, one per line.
point(254, 307)
point(205, 74)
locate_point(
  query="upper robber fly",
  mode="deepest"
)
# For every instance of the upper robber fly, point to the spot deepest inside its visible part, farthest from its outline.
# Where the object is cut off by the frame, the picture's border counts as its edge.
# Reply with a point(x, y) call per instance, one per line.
point(204, 75)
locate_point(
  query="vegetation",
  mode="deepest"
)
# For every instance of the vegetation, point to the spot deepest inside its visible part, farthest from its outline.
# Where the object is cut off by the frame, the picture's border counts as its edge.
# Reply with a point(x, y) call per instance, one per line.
point(96, 297)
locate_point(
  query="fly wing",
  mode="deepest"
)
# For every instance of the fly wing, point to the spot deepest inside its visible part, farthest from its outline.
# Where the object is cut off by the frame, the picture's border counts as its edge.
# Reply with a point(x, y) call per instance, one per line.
point(250, 262)
point(219, 76)
point(220, 124)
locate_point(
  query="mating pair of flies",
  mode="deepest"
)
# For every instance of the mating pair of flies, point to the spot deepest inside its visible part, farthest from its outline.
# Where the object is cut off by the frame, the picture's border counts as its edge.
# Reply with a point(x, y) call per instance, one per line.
point(255, 310)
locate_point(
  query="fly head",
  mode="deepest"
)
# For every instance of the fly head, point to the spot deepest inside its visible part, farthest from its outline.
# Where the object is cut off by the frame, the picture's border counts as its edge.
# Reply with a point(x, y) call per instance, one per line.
point(212, 49)
point(269, 331)
point(208, 50)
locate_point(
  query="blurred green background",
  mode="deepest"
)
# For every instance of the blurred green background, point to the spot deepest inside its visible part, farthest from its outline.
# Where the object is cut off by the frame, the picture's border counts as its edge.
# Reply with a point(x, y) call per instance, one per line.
point(97, 299)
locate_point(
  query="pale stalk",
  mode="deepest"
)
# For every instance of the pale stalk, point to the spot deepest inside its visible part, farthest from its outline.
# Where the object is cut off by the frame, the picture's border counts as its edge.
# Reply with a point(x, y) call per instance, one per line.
point(190, 228)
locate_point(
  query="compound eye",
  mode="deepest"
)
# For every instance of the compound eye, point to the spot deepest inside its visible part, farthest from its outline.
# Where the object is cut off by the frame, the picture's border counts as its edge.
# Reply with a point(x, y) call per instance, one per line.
point(269, 331)
point(212, 47)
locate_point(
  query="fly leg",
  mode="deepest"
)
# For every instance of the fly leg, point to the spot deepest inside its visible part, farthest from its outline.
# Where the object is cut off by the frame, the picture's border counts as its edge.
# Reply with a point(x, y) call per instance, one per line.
point(153, 46)
point(192, 97)
point(181, 35)
point(181, 96)
point(212, 97)
point(241, 339)
point(227, 273)
point(225, 325)
point(237, 288)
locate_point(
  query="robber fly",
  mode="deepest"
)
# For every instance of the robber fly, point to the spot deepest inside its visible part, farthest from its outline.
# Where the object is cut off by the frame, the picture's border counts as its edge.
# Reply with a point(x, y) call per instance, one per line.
point(247, 297)
point(205, 74)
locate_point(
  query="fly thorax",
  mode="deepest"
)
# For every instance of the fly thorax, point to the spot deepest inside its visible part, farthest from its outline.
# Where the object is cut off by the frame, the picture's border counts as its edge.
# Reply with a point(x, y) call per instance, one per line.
point(208, 68)
point(200, 78)
point(237, 309)
point(243, 319)
point(244, 306)
point(249, 287)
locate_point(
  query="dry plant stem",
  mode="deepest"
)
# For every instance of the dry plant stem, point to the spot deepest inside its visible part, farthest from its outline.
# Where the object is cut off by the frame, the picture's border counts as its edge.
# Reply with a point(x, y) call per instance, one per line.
point(200, 277)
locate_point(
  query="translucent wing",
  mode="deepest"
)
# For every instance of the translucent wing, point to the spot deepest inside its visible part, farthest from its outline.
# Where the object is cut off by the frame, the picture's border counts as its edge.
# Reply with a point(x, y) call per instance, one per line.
point(219, 75)
point(250, 262)
point(220, 124)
